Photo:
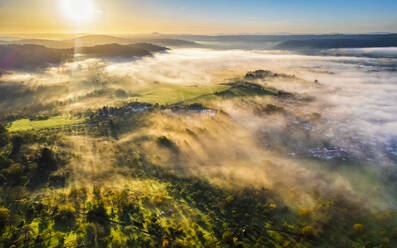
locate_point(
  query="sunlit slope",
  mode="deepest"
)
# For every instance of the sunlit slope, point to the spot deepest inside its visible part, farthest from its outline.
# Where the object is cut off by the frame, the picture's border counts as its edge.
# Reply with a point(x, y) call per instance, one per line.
point(165, 94)
point(53, 122)
point(162, 94)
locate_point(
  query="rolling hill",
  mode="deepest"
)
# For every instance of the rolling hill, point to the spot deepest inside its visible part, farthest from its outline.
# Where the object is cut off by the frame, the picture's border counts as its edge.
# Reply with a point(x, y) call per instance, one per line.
point(30, 57)
point(94, 40)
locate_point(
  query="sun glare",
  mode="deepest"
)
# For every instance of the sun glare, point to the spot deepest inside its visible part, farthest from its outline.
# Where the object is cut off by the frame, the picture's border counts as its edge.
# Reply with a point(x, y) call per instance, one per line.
point(78, 11)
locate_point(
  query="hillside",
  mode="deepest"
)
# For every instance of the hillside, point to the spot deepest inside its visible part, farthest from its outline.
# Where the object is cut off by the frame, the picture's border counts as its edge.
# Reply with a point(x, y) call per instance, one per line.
point(29, 56)
point(36, 56)
point(340, 42)
point(94, 40)
point(124, 51)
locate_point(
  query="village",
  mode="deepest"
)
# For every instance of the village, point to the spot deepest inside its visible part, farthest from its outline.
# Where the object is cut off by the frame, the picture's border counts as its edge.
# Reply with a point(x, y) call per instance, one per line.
point(329, 153)
point(107, 113)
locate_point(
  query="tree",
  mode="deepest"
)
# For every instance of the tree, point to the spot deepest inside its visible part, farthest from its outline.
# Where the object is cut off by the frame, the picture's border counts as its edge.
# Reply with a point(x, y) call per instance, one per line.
point(65, 218)
point(4, 162)
point(3, 136)
point(308, 231)
point(88, 234)
point(3, 130)
point(78, 197)
point(358, 228)
point(47, 160)
point(16, 142)
point(96, 191)
point(120, 93)
point(4, 219)
point(97, 213)
point(227, 239)
point(15, 174)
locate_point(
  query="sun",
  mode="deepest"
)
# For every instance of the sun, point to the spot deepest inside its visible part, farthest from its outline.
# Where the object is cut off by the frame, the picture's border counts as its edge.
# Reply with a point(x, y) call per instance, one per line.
point(78, 11)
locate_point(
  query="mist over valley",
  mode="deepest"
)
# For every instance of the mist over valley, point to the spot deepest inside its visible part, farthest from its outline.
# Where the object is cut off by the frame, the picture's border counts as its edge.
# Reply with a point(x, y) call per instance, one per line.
point(186, 139)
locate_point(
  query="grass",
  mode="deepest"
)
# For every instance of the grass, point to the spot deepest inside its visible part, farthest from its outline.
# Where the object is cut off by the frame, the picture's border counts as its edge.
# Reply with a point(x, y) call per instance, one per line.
point(231, 92)
point(252, 92)
point(165, 94)
point(247, 89)
point(53, 122)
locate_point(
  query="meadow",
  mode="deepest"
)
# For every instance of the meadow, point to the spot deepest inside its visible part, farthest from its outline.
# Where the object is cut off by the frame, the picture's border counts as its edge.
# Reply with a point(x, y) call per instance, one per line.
point(52, 122)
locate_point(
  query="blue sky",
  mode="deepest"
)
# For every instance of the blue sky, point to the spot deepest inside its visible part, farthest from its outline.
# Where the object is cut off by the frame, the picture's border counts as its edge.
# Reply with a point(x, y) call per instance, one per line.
point(211, 16)
point(337, 15)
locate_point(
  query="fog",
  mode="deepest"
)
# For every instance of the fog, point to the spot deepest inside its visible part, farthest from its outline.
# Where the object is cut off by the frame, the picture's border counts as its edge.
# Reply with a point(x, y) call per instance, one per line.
point(371, 51)
point(343, 102)
point(355, 93)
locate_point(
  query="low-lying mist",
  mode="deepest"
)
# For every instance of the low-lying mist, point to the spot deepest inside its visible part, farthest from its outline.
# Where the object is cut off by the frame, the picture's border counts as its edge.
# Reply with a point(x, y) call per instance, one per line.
point(335, 134)
point(354, 89)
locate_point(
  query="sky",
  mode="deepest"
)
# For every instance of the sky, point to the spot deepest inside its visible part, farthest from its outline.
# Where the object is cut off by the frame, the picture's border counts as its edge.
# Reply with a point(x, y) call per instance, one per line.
point(198, 17)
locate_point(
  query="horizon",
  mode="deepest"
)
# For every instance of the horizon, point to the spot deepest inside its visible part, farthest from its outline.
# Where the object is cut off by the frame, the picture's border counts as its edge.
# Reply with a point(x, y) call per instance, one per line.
point(192, 34)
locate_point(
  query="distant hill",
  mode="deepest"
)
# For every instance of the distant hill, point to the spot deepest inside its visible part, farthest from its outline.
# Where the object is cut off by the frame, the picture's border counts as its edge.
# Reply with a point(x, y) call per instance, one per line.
point(170, 42)
point(290, 41)
point(283, 42)
point(43, 42)
point(341, 41)
point(94, 40)
point(117, 50)
point(30, 57)
point(83, 41)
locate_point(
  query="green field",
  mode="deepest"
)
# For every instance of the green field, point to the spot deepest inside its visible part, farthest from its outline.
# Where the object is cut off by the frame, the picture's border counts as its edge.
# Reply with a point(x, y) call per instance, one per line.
point(53, 122)
point(171, 93)
point(230, 92)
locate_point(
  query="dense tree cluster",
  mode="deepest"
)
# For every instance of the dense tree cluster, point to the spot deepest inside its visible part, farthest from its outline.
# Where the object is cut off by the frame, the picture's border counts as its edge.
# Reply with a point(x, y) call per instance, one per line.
point(182, 211)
